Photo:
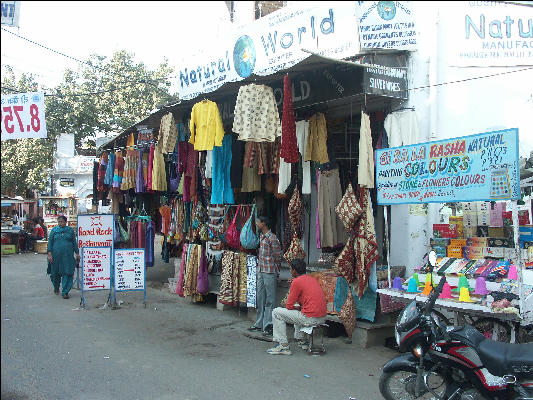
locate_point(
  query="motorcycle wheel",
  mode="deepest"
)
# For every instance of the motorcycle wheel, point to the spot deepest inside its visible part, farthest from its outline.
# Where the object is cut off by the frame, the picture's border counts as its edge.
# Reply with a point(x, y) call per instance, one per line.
point(400, 385)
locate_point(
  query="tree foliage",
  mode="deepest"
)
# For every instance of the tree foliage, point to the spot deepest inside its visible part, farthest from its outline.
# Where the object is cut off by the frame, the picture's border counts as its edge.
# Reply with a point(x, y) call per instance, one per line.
point(105, 95)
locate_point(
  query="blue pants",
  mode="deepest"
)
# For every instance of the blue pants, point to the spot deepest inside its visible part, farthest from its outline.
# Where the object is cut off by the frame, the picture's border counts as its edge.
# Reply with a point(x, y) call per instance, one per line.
point(65, 280)
point(266, 297)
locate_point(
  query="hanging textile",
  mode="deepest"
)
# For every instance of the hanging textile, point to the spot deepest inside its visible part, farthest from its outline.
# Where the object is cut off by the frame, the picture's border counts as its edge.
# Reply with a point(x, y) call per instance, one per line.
point(316, 143)
point(102, 166)
point(284, 179)
point(366, 247)
point(140, 186)
point(243, 279)
point(119, 170)
point(256, 114)
point(184, 134)
point(251, 281)
point(365, 170)
point(237, 161)
point(181, 276)
point(149, 247)
point(159, 178)
point(302, 134)
point(289, 147)
point(332, 231)
point(149, 171)
point(209, 163)
point(131, 163)
point(251, 181)
point(168, 133)
point(191, 273)
point(206, 126)
point(221, 192)
point(402, 128)
point(228, 277)
point(108, 180)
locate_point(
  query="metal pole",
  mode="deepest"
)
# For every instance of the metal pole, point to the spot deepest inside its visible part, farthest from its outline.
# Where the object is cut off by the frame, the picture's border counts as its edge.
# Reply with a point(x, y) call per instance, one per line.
point(387, 244)
point(519, 260)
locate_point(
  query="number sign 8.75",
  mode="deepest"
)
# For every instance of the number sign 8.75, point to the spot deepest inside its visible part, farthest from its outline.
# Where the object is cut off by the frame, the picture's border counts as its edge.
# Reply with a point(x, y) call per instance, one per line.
point(23, 116)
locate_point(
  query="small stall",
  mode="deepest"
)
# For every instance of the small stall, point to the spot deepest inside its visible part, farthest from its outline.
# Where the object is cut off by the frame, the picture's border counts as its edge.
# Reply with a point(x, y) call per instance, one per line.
point(485, 253)
point(11, 231)
point(54, 206)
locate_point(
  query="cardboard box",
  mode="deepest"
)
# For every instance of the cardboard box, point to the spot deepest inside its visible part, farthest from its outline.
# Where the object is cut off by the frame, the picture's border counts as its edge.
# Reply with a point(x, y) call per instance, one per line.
point(494, 252)
point(440, 242)
point(496, 232)
point(454, 251)
point(477, 241)
point(8, 249)
point(458, 221)
point(458, 242)
point(500, 242)
point(474, 252)
point(444, 231)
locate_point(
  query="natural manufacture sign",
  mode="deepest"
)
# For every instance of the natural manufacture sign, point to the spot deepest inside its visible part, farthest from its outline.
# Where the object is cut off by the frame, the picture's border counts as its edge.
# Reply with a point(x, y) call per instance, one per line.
point(272, 43)
point(488, 33)
point(481, 167)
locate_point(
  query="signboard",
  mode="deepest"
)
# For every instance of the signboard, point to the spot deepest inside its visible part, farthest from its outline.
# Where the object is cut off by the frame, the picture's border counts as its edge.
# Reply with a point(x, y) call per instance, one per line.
point(84, 165)
point(481, 167)
point(129, 269)
point(66, 182)
point(23, 116)
point(270, 44)
point(10, 13)
point(386, 25)
point(487, 33)
point(96, 268)
point(95, 230)
point(387, 76)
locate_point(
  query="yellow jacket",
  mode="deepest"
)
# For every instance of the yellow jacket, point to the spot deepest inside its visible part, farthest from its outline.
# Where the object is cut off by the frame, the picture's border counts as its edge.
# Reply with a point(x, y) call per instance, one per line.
point(206, 126)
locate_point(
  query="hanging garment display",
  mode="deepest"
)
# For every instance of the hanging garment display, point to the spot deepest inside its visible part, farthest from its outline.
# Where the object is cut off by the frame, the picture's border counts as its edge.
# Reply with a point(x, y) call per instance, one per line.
point(256, 114)
point(263, 155)
point(251, 181)
point(119, 169)
point(251, 281)
point(202, 280)
point(221, 191)
point(209, 163)
point(131, 164)
point(149, 247)
point(349, 209)
point(365, 170)
point(237, 161)
point(108, 180)
point(302, 135)
point(402, 128)
point(332, 231)
point(295, 210)
point(284, 178)
point(233, 279)
point(184, 133)
point(150, 169)
point(206, 126)
point(181, 276)
point(316, 143)
point(366, 247)
point(140, 185)
point(159, 178)
point(289, 147)
point(168, 133)
point(191, 273)
point(102, 166)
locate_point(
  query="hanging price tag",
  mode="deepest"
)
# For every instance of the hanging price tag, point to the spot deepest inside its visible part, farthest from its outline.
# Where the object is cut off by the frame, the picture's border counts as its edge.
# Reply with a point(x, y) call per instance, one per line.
point(23, 116)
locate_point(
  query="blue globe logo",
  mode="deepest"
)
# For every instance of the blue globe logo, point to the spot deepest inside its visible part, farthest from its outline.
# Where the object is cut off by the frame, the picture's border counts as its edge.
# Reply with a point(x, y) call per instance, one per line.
point(244, 56)
point(386, 10)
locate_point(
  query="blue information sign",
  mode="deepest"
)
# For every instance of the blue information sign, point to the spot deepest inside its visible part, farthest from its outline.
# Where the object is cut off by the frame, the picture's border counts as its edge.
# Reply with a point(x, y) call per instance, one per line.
point(480, 167)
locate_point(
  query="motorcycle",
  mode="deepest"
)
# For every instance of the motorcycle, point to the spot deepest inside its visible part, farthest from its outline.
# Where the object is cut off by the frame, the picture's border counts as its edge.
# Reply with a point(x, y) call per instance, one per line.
point(453, 363)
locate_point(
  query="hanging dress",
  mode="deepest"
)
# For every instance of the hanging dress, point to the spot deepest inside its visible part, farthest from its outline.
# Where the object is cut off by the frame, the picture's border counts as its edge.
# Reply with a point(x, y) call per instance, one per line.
point(289, 147)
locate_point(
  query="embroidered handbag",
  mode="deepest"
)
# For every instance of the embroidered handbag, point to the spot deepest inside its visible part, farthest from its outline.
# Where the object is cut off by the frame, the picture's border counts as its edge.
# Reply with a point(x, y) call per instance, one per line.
point(295, 209)
point(349, 209)
point(344, 263)
point(249, 239)
point(295, 250)
point(232, 236)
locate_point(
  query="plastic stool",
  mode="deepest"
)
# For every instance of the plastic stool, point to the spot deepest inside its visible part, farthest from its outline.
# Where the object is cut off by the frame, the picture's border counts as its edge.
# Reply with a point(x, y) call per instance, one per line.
point(316, 339)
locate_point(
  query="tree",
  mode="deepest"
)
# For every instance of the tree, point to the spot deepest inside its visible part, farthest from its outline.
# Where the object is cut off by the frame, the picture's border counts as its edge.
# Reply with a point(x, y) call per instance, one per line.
point(103, 95)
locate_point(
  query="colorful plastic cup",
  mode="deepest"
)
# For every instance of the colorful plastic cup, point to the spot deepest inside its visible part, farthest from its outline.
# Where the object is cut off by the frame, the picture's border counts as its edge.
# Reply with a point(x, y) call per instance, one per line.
point(397, 283)
point(412, 287)
point(481, 287)
point(513, 273)
point(446, 291)
point(464, 295)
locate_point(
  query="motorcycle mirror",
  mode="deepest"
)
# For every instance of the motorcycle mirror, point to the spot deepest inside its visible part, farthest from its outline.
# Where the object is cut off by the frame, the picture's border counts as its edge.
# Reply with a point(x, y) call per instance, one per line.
point(432, 257)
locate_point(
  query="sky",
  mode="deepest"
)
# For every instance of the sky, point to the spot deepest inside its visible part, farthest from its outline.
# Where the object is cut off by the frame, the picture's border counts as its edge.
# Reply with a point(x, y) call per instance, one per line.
point(151, 30)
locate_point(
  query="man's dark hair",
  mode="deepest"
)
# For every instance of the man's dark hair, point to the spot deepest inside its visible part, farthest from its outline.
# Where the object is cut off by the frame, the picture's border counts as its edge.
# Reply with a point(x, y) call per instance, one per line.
point(265, 220)
point(299, 266)
point(62, 217)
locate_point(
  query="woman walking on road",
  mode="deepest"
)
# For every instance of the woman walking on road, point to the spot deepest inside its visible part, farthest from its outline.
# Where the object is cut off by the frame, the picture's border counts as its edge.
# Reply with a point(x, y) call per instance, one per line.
point(61, 248)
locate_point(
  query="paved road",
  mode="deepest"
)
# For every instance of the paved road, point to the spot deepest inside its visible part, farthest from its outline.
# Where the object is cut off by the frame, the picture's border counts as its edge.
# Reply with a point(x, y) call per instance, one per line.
point(172, 349)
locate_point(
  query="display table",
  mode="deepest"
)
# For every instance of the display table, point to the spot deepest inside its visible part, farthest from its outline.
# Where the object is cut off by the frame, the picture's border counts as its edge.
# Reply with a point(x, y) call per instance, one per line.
point(14, 235)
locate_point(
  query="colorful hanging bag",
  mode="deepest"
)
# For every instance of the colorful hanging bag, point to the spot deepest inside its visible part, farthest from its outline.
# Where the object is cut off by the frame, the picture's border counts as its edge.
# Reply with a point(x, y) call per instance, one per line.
point(232, 234)
point(249, 239)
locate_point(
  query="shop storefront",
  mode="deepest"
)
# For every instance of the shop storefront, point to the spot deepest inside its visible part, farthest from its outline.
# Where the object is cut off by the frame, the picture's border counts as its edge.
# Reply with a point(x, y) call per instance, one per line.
point(311, 147)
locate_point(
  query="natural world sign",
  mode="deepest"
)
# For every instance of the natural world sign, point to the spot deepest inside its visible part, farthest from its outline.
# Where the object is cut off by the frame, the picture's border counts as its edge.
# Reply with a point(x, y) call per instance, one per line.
point(480, 167)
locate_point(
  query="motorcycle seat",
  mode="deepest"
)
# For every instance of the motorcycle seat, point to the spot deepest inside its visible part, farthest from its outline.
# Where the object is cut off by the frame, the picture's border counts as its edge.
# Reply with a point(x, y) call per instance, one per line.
point(499, 358)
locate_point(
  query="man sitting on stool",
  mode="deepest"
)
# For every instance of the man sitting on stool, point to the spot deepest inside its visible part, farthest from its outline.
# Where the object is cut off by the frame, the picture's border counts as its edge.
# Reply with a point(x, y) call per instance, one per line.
point(306, 291)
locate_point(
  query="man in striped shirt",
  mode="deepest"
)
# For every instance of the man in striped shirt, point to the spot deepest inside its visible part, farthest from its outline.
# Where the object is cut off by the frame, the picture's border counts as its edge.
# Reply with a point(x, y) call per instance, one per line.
point(269, 260)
